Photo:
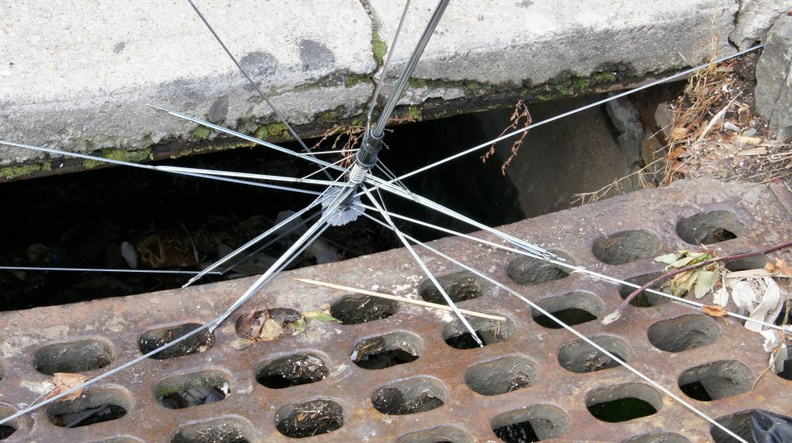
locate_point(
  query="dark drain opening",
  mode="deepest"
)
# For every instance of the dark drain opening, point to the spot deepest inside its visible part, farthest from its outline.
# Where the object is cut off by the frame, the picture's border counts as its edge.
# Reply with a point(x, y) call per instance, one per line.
point(310, 418)
point(94, 406)
point(409, 396)
point(571, 316)
point(157, 338)
point(387, 350)
point(644, 299)
point(355, 309)
point(713, 381)
point(535, 423)
point(293, 370)
point(6, 430)
point(488, 331)
point(225, 430)
point(623, 402)
point(194, 389)
point(710, 227)
point(74, 356)
point(572, 308)
point(459, 286)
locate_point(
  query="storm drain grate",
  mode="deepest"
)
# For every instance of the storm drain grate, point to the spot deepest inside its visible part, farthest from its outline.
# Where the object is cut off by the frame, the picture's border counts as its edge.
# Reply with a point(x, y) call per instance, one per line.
point(398, 373)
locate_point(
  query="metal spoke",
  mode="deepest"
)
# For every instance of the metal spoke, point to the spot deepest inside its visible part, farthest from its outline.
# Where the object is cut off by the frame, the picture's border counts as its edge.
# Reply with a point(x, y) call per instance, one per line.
point(385, 215)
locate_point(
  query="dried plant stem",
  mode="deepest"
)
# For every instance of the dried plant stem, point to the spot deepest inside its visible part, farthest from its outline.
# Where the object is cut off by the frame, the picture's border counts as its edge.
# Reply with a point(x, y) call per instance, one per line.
point(400, 299)
point(616, 314)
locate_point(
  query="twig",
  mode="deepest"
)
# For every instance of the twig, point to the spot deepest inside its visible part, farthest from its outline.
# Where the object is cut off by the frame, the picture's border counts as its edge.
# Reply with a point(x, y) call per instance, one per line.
point(617, 313)
point(400, 299)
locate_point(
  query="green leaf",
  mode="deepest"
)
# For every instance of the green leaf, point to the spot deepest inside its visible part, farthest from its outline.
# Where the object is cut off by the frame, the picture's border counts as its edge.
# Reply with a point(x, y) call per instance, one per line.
point(320, 316)
point(668, 258)
point(706, 281)
point(299, 326)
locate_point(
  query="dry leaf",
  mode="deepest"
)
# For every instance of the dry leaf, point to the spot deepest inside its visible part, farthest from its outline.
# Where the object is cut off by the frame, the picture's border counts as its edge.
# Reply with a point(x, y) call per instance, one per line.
point(769, 267)
point(715, 311)
point(271, 330)
point(64, 381)
point(783, 267)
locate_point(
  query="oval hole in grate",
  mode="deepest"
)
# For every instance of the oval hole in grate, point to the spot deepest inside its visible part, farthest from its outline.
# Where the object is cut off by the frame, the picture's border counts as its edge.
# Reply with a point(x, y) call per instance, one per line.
point(623, 402)
point(503, 375)
point(660, 437)
point(572, 308)
point(739, 423)
point(310, 418)
point(74, 356)
point(710, 227)
point(535, 423)
point(411, 396)
point(531, 271)
point(387, 350)
point(626, 246)
point(489, 331)
point(7, 429)
point(354, 309)
point(716, 380)
point(267, 324)
point(744, 264)
point(459, 286)
point(438, 434)
point(94, 406)
point(644, 299)
point(193, 389)
point(580, 357)
point(226, 429)
point(156, 338)
point(294, 370)
point(684, 332)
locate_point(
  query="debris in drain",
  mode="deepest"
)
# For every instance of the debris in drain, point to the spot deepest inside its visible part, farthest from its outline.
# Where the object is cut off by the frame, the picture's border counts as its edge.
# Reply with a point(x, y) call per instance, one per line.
point(392, 401)
point(194, 397)
point(311, 418)
point(158, 338)
point(272, 324)
point(88, 416)
point(292, 371)
point(400, 299)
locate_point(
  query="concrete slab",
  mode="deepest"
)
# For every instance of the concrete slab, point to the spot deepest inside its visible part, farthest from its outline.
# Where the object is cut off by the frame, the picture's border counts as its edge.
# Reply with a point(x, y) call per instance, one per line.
point(78, 76)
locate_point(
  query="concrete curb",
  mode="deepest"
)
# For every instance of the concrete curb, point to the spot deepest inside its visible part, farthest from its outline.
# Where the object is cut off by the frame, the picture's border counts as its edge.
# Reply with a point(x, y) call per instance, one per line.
point(78, 78)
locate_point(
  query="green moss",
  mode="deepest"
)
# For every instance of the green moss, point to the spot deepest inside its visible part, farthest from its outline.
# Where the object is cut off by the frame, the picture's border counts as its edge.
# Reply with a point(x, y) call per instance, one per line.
point(262, 133)
point(136, 156)
point(379, 47)
point(272, 131)
point(202, 133)
point(16, 171)
point(414, 113)
point(604, 77)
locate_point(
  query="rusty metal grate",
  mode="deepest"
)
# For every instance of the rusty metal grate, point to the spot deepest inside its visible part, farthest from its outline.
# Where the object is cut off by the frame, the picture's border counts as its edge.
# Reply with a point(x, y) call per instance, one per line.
point(396, 373)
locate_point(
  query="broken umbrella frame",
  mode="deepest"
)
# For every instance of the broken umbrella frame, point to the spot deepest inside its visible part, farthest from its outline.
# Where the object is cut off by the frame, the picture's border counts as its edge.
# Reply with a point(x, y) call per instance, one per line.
point(341, 203)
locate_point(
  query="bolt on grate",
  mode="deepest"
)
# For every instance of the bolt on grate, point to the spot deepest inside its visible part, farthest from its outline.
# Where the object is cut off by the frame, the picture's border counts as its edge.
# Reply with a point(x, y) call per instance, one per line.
point(399, 373)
